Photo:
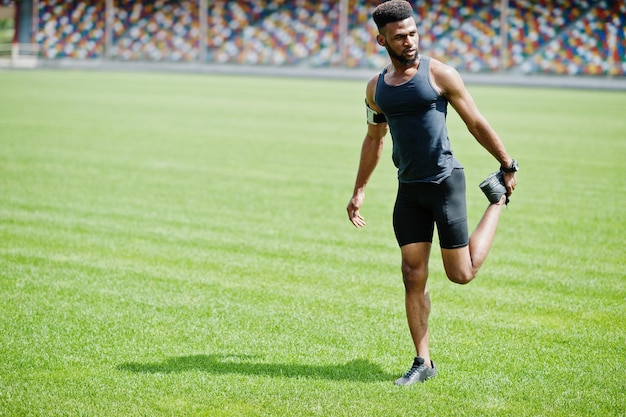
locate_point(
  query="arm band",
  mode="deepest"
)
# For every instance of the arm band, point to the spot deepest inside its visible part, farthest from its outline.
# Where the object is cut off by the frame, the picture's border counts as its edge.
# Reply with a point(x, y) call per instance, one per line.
point(373, 117)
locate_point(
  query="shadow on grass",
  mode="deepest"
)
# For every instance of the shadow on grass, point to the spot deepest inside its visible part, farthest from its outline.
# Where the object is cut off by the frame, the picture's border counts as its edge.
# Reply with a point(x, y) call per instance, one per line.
point(356, 370)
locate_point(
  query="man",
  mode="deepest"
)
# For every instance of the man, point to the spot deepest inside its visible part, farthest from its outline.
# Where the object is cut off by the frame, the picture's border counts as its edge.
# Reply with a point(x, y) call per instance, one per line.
point(409, 98)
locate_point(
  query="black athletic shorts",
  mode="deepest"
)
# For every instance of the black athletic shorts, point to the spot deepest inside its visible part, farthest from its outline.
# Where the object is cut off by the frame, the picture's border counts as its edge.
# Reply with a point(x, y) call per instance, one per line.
point(420, 205)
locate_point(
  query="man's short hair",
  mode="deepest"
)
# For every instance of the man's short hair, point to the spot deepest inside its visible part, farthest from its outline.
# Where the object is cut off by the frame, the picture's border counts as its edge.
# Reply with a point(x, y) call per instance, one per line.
point(391, 11)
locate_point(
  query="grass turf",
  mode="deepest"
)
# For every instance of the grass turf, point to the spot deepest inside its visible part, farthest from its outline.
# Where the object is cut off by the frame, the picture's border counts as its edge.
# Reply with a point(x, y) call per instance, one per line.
point(178, 245)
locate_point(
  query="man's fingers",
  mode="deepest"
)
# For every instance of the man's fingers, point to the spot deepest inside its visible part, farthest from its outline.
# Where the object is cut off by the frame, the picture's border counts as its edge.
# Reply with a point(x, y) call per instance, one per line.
point(511, 186)
point(357, 219)
point(358, 222)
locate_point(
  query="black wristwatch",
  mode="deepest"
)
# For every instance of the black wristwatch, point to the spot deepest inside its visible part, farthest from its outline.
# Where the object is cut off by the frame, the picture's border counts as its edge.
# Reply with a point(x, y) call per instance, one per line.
point(513, 168)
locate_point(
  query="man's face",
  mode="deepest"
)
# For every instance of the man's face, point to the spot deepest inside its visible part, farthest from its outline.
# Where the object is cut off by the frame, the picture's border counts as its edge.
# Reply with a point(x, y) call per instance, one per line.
point(400, 39)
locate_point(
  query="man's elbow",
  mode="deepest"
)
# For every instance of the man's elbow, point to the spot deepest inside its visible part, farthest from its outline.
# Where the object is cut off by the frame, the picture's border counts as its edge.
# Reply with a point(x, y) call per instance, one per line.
point(377, 133)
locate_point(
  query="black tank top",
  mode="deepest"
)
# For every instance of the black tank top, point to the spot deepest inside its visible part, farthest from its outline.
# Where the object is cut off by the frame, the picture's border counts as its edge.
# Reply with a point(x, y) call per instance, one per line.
point(416, 114)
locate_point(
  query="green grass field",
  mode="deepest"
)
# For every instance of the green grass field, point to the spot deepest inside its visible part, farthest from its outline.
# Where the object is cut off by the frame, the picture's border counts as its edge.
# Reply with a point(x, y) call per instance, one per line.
point(177, 245)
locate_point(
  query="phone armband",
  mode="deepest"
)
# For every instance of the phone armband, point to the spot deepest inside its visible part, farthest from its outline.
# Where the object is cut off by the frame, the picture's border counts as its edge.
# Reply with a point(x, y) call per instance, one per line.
point(374, 117)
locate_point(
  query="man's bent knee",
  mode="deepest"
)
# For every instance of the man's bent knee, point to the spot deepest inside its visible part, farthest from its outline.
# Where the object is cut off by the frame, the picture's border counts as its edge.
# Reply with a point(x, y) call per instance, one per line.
point(461, 277)
point(458, 265)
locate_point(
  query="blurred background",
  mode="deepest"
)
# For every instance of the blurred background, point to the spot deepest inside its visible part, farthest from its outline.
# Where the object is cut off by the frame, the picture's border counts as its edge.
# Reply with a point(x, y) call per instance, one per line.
point(578, 37)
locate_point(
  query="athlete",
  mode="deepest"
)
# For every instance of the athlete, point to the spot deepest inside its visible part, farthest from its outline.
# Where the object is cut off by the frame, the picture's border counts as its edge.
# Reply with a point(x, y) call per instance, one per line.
point(409, 98)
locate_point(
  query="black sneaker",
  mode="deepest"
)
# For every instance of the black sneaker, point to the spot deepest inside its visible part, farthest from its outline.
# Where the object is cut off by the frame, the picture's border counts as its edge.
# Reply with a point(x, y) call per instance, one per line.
point(419, 372)
point(493, 187)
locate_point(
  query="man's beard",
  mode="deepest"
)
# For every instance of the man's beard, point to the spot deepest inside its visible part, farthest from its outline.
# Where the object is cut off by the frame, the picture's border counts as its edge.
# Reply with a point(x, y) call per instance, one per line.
point(401, 58)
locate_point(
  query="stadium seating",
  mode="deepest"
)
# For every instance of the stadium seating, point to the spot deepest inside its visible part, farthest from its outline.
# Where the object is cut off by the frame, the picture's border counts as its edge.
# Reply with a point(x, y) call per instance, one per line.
point(534, 23)
point(73, 29)
point(555, 36)
point(274, 32)
point(156, 31)
point(594, 44)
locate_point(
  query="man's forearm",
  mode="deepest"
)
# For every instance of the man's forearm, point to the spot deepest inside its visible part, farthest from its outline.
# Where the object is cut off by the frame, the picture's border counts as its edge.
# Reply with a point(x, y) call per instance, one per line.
point(371, 150)
point(488, 138)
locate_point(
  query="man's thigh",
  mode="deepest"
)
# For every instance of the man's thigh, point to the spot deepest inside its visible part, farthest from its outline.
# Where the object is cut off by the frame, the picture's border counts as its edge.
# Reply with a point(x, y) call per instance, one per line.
point(412, 221)
point(451, 212)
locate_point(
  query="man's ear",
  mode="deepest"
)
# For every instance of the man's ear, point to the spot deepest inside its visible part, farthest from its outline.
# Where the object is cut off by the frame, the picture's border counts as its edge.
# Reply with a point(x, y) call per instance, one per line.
point(381, 40)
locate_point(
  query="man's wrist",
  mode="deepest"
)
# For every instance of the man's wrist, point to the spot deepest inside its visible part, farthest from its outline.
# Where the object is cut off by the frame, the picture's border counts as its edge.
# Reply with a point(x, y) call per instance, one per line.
point(512, 167)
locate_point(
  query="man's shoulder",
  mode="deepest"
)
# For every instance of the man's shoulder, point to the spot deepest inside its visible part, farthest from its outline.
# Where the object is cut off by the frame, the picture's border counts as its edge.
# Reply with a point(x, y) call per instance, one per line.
point(437, 65)
point(444, 75)
point(373, 82)
point(380, 72)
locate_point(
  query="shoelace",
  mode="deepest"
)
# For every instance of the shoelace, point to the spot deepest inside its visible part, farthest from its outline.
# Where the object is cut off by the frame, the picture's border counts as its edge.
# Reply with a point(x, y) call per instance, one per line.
point(416, 368)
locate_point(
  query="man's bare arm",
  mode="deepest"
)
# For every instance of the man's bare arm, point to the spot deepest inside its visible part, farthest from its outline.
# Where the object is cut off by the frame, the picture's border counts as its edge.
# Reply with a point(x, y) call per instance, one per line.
point(453, 88)
point(371, 151)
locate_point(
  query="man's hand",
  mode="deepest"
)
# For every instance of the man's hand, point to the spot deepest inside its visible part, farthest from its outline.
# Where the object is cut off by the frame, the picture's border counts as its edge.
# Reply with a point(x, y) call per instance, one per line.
point(353, 209)
point(510, 182)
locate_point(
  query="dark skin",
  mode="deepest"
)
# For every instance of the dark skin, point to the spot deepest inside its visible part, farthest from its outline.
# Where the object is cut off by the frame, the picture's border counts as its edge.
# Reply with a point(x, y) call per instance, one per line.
point(461, 264)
